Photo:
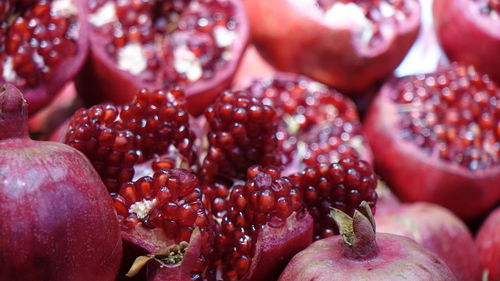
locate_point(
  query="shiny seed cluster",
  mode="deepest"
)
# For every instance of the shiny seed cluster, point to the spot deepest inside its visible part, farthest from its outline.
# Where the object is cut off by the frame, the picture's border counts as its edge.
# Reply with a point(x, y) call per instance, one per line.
point(242, 133)
point(35, 40)
point(342, 185)
point(453, 115)
point(177, 42)
point(115, 139)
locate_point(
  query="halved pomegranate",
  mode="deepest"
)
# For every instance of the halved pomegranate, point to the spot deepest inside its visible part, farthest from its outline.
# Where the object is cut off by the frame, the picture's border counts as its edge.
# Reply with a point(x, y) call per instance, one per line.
point(436, 138)
point(350, 45)
point(469, 32)
point(43, 44)
point(160, 44)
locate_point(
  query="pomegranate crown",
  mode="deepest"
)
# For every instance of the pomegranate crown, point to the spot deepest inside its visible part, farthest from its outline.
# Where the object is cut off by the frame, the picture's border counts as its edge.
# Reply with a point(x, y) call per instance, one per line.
point(13, 113)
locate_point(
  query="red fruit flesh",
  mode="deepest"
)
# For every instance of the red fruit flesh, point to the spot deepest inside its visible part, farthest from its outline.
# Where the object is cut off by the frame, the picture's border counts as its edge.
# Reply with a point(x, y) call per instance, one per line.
point(360, 254)
point(159, 44)
point(57, 221)
point(439, 231)
point(117, 138)
point(436, 139)
point(318, 124)
point(43, 44)
point(350, 45)
point(469, 32)
point(488, 245)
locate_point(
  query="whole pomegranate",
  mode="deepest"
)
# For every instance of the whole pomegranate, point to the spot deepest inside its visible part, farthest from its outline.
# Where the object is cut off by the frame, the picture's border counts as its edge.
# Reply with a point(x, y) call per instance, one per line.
point(488, 245)
point(155, 44)
point(58, 221)
point(43, 45)
point(361, 254)
point(437, 230)
point(436, 138)
point(350, 45)
point(469, 32)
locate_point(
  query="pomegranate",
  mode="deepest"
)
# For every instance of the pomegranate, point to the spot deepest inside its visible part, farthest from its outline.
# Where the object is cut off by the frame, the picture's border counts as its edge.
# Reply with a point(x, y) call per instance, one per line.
point(350, 45)
point(469, 32)
point(361, 254)
point(488, 245)
point(58, 221)
point(43, 44)
point(161, 44)
point(437, 230)
point(436, 138)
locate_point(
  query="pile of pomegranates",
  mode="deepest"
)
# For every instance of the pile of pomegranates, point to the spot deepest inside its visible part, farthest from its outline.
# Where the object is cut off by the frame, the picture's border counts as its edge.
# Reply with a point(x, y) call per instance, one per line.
point(176, 170)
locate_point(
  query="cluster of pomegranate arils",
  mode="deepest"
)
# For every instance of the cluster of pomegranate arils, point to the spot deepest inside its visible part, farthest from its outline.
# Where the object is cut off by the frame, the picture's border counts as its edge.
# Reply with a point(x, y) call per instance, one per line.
point(236, 188)
point(177, 42)
point(35, 40)
point(467, 104)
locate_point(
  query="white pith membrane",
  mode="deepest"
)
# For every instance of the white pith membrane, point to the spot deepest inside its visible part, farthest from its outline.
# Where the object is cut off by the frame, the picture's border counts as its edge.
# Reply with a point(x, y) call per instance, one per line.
point(174, 52)
point(489, 8)
point(459, 122)
point(36, 41)
point(369, 21)
point(142, 208)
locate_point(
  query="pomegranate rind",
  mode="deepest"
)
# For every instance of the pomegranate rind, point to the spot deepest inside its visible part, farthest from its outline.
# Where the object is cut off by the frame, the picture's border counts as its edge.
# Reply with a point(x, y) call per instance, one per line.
point(119, 86)
point(468, 36)
point(415, 176)
point(437, 230)
point(488, 245)
point(322, 52)
point(276, 246)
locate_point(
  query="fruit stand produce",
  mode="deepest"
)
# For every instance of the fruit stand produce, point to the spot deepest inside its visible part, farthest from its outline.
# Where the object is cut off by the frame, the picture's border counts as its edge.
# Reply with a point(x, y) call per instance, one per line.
point(249, 140)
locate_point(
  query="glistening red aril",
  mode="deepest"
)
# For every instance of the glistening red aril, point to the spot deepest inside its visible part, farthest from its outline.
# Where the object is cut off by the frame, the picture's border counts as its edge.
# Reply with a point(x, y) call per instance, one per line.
point(350, 45)
point(469, 32)
point(436, 138)
point(160, 44)
point(43, 45)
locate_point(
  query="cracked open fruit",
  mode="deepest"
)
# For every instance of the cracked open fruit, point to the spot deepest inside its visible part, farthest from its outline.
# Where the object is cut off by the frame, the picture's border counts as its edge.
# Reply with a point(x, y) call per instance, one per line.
point(435, 138)
point(156, 44)
point(43, 45)
point(350, 45)
point(58, 222)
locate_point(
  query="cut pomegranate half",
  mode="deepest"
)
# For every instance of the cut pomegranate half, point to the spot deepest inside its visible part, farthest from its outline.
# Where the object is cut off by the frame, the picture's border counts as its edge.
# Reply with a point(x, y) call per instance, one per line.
point(350, 45)
point(436, 138)
point(469, 32)
point(43, 44)
point(160, 44)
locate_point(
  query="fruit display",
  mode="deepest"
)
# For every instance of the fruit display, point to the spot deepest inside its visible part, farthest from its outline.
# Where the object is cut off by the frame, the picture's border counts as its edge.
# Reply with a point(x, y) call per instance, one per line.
point(249, 140)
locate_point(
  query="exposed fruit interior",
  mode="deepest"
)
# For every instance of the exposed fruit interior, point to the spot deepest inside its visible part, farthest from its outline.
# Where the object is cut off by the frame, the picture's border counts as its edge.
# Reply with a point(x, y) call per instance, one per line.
point(452, 114)
point(489, 7)
point(167, 42)
point(170, 200)
point(35, 39)
point(371, 20)
point(242, 132)
point(342, 185)
point(117, 138)
point(317, 124)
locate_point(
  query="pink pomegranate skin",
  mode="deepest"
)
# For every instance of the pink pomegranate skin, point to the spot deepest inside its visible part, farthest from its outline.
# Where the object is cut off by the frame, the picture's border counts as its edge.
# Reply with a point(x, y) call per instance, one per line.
point(468, 36)
point(109, 83)
point(439, 231)
point(305, 44)
point(58, 221)
point(414, 176)
point(488, 245)
point(370, 256)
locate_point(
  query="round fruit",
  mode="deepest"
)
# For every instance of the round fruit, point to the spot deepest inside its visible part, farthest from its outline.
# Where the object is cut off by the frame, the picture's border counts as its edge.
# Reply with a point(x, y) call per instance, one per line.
point(350, 45)
point(43, 45)
point(57, 221)
point(488, 245)
point(436, 138)
point(361, 254)
point(437, 230)
point(469, 32)
point(156, 44)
